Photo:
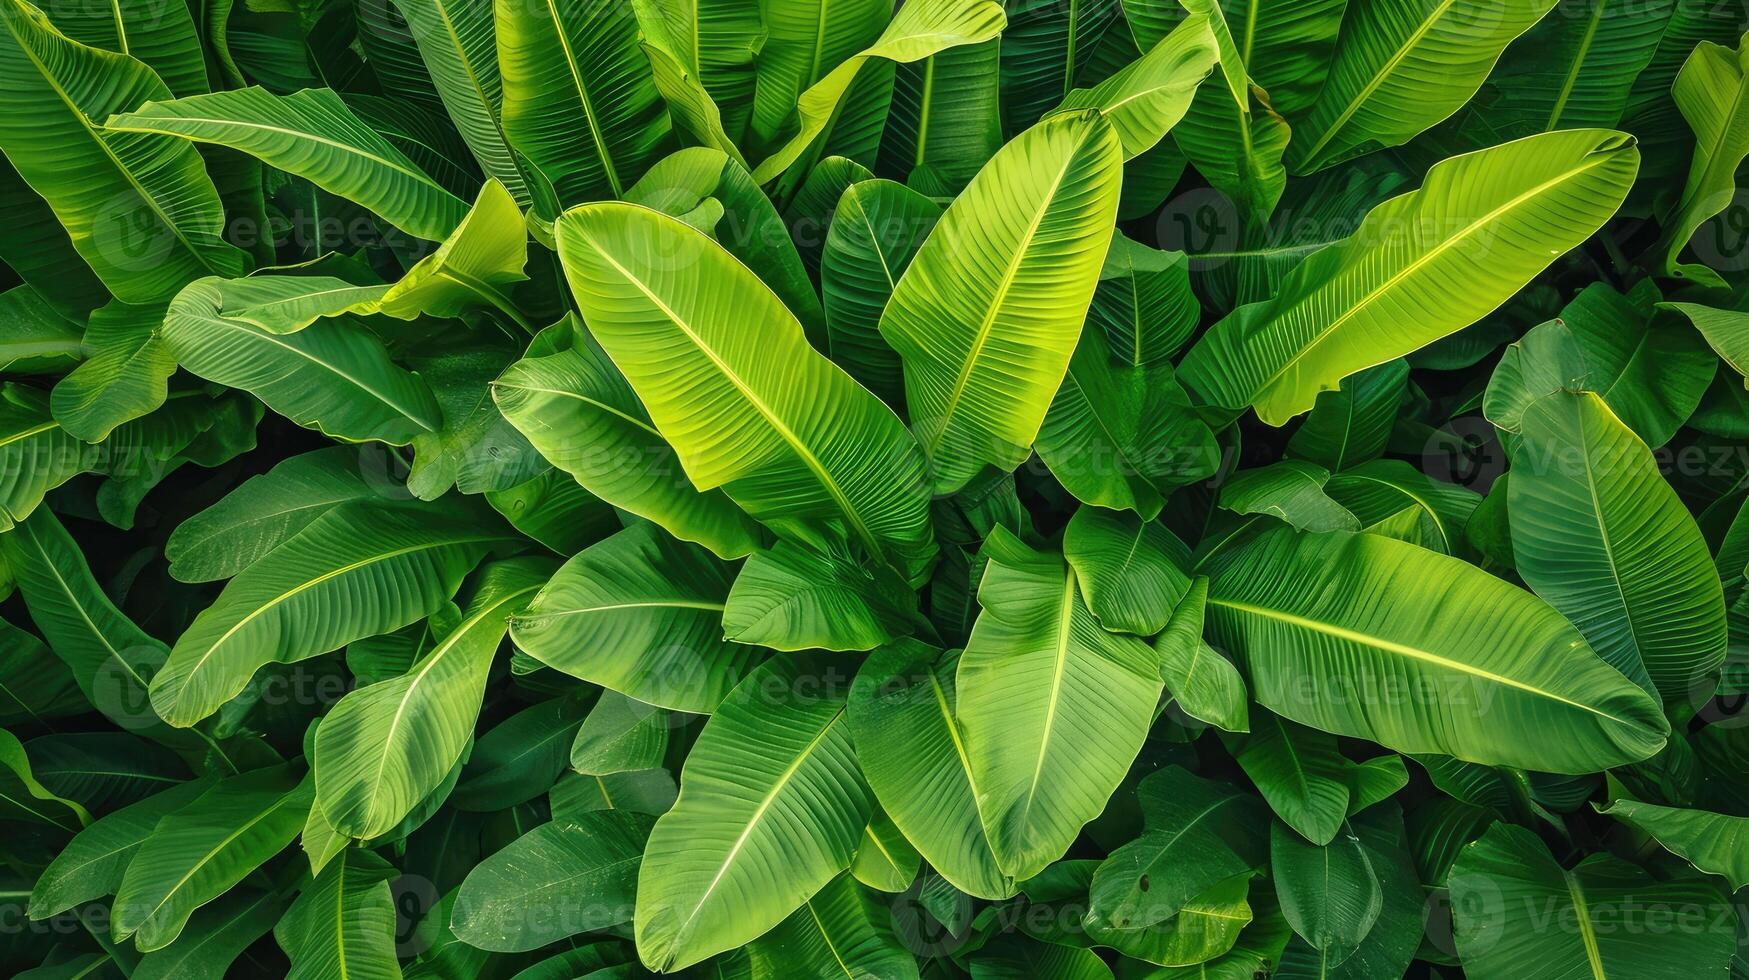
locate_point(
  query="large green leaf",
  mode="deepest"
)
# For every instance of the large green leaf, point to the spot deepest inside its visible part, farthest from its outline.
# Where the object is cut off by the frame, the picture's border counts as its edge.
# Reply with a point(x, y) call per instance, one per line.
point(111, 658)
point(459, 46)
point(1202, 682)
point(876, 230)
point(1567, 71)
point(314, 135)
point(216, 937)
point(334, 375)
point(1054, 707)
point(1047, 48)
point(987, 314)
point(1130, 570)
point(1401, 66)
point(793, 597)
point(386, 746)
point(913, 753)
point(1122, 436)
point(1299, 772)
point(578, 411)
point(917, 30)
point(253, 519)
point(1713, 842)
point(197, 853)
point(25, 801)
point(843, 929)
point(1196, 833)
point(642, 614)
point(1710, 91)
point(792, 439)
point(35, 336)
point(804, 40)
point(578, 100)
point(1330, 625)
point(37, 453)
point(689, 183)
point(557, 880)
point(945, 120)
point(1148, 97)
point(1292, 491)
point(1230, 134)
point(92, 864)
point(140, 210)
point(1491, 220)
point(1598, 533)
point(1329, 893)
point(359, 570)
point(343, 923)
point(771, 808)
point(1506, 883)
point(159, 33)
point(124, 376)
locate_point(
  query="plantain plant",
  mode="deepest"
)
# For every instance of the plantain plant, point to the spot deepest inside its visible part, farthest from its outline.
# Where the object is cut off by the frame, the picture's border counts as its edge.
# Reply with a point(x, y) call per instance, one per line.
point(1062, 490)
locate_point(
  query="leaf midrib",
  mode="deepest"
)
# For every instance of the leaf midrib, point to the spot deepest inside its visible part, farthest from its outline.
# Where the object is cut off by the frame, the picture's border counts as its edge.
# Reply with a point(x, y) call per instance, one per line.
point(1414, 266)
point(1413, 653)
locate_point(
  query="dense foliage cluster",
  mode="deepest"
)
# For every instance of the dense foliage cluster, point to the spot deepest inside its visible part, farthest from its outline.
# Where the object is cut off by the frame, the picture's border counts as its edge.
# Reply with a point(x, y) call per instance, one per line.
point(1028, 490)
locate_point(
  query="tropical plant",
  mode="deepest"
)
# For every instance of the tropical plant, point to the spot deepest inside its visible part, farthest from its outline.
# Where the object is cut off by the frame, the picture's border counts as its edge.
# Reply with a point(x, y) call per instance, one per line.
point(1068, 490)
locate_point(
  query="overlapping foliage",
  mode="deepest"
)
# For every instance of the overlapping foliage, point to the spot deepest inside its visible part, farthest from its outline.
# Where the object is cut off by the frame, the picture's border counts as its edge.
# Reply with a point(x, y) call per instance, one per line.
point(1054, 490)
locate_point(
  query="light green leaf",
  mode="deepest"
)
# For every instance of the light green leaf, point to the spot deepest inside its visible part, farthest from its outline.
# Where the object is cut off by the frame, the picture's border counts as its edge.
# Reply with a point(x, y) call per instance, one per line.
point(1148, 97)
point(1053, 707)
point(314, 135)
point(359, 570)
point(334, 376)
point(124, 376)
point(1710, 93)
point(773, 444)
point(1293, 606)
point(111, 658)
point(141, 212)
point(253, 519)
point(1492, 219)
point(458, 43)
point(641, 614)
point(197, 853)
point(986, 316)
point(1197, 833)
point(37, 454)
point(91, 865)
point(1204, 683)
point(35, 336)
point(913, 753)
point(1598, 533)
point(875, 232)
point(579, 412)
point(1291, 490)
point(386, 746)
point(771, 808)
point(1402, 66)
point(621, 735)
point(918, 30)
point(1713, 842)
